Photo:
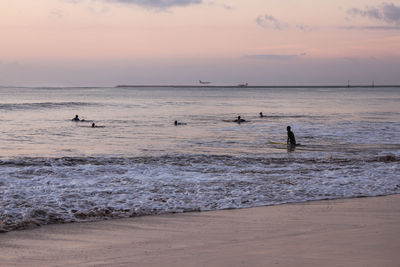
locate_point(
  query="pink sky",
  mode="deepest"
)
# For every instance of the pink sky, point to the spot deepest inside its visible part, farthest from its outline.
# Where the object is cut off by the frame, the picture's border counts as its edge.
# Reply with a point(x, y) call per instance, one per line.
point(107, 42)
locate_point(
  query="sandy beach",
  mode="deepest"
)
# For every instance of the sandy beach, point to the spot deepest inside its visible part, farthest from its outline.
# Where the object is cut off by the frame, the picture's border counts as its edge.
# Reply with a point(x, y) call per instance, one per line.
point(350, 232)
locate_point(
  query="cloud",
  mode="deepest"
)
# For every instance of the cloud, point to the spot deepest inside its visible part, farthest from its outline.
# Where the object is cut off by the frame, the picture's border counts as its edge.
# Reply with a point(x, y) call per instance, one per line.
point(268, 21)
point(157, 4)
point(275, 57)
point(57, 13)
point(378, 28)
point(222, 5)
point(151, 4)
point(228, 7)
point(305, 28)
point(387, 12)
point(73, 1)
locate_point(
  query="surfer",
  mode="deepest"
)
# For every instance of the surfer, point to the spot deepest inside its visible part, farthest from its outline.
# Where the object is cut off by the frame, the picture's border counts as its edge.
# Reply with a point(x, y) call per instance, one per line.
point(76, 118)
point(261, 115)
point(179, 123)
point(96, 126)
point(239, 120)
point(291, 140)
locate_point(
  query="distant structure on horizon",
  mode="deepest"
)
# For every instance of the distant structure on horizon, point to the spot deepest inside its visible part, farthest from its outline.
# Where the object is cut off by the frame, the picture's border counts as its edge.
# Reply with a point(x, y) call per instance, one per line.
point(348, 85)
point(201, 82)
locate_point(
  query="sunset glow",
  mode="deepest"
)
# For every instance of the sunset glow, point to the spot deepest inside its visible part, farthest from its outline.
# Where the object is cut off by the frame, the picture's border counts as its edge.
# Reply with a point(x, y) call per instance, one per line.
point(39, 38)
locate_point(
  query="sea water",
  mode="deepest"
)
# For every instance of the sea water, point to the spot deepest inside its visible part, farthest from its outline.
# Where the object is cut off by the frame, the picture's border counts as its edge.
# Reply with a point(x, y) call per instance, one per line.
point(54, 170)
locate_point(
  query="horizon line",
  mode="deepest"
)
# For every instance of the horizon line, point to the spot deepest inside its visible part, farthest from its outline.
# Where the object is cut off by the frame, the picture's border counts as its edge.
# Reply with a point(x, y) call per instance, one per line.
point(212, 86)
point(263, 86)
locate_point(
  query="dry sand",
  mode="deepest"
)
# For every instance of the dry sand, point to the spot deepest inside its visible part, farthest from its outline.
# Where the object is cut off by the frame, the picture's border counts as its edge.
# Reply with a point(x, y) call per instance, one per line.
point(351, 232)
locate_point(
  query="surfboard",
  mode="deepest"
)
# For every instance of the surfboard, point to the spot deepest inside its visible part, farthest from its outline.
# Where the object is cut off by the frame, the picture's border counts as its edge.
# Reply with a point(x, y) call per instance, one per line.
point(277, 143)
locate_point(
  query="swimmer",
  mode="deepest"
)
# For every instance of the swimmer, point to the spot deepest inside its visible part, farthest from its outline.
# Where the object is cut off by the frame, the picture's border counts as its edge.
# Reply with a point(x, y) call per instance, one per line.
point(179, 123)
point(76, 118)
point(96, 126)
point(239, 120)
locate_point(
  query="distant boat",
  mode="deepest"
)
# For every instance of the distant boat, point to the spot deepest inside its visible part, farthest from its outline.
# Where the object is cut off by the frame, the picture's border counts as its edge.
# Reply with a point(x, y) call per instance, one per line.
point(200, 81)
point(243, 84)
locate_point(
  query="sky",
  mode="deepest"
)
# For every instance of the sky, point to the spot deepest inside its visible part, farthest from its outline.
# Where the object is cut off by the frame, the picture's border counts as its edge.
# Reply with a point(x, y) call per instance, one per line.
point(226, 42)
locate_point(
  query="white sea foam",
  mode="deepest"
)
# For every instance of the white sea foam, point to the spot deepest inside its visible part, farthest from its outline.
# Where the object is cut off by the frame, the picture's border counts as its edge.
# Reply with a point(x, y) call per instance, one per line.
point(41, 191)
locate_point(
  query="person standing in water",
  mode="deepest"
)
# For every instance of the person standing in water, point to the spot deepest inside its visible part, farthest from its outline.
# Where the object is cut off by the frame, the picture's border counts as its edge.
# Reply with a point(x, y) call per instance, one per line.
point(76, 118)
point(291, 140)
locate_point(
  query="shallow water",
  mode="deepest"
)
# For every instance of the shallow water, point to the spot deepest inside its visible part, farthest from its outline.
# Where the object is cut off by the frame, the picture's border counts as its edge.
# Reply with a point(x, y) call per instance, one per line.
point(55, 170)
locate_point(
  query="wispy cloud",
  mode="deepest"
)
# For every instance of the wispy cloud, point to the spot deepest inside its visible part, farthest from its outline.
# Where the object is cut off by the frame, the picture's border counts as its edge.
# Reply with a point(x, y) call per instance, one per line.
point(221, 5)
point(151, 4)
point(280, 57)
point(270, 22)
point(157, 4)
point(228, 7)
point(386, 12)
point(306, 28)
point(378, 28)
point(56, 13)
point(73, 1)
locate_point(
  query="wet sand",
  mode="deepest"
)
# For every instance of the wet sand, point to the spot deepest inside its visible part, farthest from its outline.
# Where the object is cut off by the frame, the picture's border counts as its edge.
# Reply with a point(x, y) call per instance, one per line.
point(351, 232)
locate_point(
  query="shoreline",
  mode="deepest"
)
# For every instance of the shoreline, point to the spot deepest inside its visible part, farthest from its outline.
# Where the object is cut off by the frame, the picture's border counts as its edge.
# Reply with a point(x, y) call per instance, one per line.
point(342, 232)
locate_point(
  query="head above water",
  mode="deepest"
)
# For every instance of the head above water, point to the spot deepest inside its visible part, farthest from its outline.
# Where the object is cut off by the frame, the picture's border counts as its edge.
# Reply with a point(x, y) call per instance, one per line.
point(288, 128)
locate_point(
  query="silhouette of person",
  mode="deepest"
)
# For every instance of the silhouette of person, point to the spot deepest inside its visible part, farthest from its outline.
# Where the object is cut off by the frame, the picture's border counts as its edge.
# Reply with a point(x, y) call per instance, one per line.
point(239, 120)
point(93, 125)
point(291, 140)
point(76, 118)
point(261, 115)
point(179, 123)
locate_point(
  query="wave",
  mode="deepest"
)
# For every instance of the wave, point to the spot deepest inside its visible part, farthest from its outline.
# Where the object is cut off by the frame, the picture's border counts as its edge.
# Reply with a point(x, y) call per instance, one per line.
point(183, 160)
point(38, 191)
point(42, 105)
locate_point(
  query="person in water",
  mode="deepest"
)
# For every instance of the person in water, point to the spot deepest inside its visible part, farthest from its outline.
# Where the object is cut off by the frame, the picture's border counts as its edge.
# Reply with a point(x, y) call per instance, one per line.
point(96, 126)
point(291, 140)
point(179, 123)
point(261, 115)
point(239, 120)
point(76, 118)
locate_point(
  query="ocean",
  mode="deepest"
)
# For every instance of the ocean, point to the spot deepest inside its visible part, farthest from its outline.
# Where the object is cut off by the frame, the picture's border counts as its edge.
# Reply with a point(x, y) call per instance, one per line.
point(137, 162)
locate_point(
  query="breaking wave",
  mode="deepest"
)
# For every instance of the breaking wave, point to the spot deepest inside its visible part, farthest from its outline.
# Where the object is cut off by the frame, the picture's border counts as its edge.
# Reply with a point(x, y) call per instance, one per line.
point(38, 191)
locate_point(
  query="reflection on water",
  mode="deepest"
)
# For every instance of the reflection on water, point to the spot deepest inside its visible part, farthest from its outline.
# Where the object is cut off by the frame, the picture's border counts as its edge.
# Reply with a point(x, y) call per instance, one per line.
point(56, 170)
point(36, 122)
